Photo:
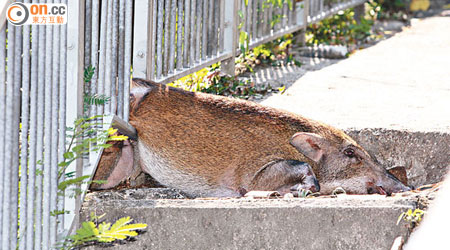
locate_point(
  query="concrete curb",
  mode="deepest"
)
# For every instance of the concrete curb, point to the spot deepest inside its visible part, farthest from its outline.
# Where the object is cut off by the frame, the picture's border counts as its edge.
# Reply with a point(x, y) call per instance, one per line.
point(346, 222)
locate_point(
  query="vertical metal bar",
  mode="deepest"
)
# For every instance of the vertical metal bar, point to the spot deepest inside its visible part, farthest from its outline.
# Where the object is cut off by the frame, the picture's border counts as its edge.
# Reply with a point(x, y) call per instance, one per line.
point(87, 31)
point(166, 29)
point(55, 134)
point(127, 57)
point(25, 112)
point(278, 14)
point(221, 25)
point(269, 24)
point(317, 8)
point(87, 110)
point(40, 137)
point(108, 62)
point(321, 7)
point(2, 119)
point(230, 36)
point(74, 95)
point(6, 240)
point(152, 52)
point(94, 51)
point(314, 8)
point(120, 59)
point(265, 25)
point(285, 16)
point(167, 11)
point(306, 13)
point(179, 57)
point(62, 102)
point(210, 27)
point(260, 19)
point(254, 19)
point(187, 32)
point(15, 135)
point(289, 16)
point(102, 52)
point(193, 30)
point(216, 27)
point(159, 34)
point(293, 15)
point(242, 20)
point(32, 142)
point(143, 57)
point(47, 138)
point(180, 35)
point(205, 29)
point(199, 30)
point(88, 46)
point(172, 25)
point(114, 44)
point(248, 18)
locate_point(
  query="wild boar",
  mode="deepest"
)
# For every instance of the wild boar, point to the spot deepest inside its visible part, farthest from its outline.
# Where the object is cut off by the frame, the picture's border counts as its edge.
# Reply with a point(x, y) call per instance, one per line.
point(208, 145)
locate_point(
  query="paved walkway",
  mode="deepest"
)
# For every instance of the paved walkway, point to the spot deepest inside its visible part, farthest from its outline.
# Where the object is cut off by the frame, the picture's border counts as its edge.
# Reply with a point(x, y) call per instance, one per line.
point(400, 83)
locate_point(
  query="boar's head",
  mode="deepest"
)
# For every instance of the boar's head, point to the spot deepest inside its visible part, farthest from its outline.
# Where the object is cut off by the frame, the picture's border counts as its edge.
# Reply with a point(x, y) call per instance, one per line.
point(343, 163)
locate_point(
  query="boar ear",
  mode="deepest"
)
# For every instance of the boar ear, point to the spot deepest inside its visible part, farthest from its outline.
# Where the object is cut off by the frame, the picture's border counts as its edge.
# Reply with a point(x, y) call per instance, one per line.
point(400, 173)
point(138, 93)
point(309, 144)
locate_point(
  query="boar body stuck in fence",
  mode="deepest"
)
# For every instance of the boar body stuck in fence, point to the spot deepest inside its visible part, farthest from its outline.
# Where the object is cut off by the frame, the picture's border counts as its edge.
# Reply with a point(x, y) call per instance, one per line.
point(208, 145)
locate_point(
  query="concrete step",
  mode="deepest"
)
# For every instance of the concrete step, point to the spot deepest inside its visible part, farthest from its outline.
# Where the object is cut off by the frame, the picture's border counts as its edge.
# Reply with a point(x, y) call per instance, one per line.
point(345, 222)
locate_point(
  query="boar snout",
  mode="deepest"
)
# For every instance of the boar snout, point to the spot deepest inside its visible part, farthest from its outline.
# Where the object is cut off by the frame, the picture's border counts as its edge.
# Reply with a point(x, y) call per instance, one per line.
point(386, 185)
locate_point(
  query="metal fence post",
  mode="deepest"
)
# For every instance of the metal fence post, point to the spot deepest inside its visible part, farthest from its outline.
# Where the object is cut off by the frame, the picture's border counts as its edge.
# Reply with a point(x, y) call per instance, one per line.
point(74, 93)
point(306, 18)
point(301, 17)
point(359, 12)
point(230, 35)
point(304, 21)
point(142, 54)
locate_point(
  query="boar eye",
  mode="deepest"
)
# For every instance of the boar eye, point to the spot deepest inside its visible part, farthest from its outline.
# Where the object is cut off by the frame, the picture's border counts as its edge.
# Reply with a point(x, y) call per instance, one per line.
point(349, 152)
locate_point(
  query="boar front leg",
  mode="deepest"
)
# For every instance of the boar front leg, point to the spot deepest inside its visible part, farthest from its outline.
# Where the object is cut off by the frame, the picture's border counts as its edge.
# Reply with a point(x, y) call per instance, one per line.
point(285, 176)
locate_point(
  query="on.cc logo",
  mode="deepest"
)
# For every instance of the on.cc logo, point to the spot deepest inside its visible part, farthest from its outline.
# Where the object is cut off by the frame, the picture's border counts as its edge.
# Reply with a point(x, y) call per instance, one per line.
point(17, 13)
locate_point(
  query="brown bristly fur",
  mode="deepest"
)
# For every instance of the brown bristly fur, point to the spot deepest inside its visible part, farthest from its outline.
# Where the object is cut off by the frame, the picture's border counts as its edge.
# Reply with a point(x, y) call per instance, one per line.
point(223, 140)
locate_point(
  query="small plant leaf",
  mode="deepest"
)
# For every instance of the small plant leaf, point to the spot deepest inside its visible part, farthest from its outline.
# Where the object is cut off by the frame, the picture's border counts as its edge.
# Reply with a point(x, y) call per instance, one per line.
point(68, 155)
point(120, 223)
point(118, 138)
point(400, 218)
point(282, 89)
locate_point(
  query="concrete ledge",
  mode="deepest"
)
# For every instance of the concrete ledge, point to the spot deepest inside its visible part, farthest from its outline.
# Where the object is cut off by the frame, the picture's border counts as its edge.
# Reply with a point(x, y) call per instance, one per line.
point(346, 222)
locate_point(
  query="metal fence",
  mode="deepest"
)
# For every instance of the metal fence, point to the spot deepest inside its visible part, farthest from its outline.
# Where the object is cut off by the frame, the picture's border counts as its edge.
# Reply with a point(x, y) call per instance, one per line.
point(186, 35)
point(42, 88)
point(32, 132)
